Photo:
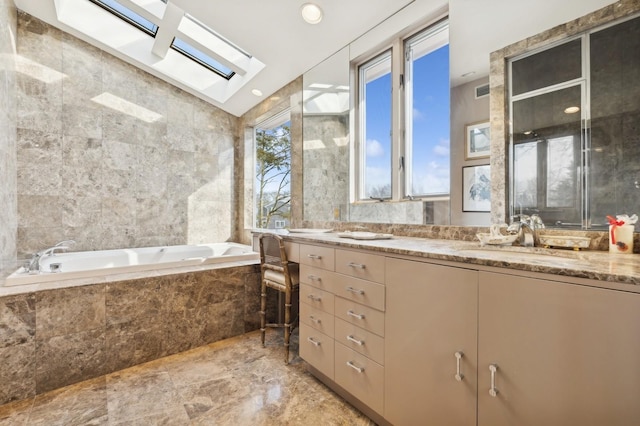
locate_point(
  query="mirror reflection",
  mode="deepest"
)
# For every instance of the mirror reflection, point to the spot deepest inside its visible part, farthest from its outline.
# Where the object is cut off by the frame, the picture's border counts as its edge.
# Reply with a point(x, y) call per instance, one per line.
point(574, 115)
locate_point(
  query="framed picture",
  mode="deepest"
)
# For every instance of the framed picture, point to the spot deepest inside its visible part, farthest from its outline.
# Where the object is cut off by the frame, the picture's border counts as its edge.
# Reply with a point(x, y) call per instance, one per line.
point(477, 140)
point(476, 189)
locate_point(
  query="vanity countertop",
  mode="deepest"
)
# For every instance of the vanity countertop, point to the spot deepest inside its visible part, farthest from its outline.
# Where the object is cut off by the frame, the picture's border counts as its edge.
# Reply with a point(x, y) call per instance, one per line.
point(594, 265)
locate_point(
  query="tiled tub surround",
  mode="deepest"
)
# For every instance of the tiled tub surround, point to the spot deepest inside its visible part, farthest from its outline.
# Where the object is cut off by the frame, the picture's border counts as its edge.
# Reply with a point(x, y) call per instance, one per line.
point(52, 338)
point(109, 155)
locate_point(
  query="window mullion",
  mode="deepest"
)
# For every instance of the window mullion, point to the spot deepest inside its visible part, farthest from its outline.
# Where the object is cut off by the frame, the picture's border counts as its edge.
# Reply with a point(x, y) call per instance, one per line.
point(397, 122)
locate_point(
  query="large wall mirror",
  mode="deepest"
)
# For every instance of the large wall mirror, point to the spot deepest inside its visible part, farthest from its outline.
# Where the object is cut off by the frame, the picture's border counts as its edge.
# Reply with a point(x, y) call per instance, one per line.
point(327, 121)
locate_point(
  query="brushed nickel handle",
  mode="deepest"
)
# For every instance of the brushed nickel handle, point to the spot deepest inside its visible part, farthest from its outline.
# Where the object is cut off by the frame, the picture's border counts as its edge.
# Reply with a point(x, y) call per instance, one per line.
point(313, 341)
point(355, 367)
point(354, 340)
point(314, 319)
point(459, 376)
point(314, 256)
point(353, 314)
point(355, 290)
point(314, 278)
point(492, 390)
point(356, 265)
point(314, 298)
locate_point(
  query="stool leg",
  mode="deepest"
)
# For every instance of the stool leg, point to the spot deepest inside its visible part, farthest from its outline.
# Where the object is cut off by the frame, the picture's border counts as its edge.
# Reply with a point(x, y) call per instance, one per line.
point(263, 310)
point(287, 324)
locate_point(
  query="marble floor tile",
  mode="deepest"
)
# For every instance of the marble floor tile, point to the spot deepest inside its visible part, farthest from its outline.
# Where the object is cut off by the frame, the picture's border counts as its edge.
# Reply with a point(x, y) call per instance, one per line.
point(232, 382)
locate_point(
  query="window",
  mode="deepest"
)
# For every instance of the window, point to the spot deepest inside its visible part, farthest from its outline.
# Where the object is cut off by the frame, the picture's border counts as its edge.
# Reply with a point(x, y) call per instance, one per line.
point(273, 171)
point(396, 165)
point(204, 60)
point(375, 116)
point(128, 15)
point(427, 113)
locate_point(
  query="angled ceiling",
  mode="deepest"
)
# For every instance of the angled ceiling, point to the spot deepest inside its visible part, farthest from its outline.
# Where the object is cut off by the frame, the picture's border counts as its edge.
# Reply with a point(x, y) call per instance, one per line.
point(282, 46)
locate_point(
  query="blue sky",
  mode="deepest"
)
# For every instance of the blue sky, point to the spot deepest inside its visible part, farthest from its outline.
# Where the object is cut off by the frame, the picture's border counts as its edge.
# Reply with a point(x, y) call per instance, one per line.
point(431, 151)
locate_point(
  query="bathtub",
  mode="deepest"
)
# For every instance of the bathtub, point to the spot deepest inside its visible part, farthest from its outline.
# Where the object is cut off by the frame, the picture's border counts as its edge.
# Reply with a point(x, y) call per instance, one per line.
point(100, 263)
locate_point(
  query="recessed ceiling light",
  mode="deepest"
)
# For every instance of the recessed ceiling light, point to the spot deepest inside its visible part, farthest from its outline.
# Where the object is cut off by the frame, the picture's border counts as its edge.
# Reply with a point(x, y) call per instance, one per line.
point(571, 110)
point(256, 92)
point(311, 13)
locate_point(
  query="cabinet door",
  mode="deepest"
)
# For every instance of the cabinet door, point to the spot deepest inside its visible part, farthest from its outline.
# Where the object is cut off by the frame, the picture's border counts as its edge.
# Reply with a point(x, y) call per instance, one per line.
point(565, 354)
point(431, 314)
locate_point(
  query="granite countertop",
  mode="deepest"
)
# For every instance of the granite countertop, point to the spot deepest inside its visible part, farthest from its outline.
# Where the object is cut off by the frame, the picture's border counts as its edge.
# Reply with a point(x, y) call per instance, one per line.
point(595, 265)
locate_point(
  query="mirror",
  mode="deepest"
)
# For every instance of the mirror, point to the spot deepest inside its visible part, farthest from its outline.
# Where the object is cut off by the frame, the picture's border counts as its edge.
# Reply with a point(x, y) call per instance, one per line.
point(574, 144)
point(326, 161)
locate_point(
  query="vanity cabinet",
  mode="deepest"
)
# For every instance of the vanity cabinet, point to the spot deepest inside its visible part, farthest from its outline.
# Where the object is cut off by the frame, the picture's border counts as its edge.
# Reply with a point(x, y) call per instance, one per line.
point(564, 354)
point(413, 341)
point(431, 316)
point(342, 302)
point(317, 307)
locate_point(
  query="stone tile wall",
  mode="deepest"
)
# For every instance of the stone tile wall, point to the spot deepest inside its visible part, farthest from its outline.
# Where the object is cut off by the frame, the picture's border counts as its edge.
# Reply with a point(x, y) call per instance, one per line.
point(111, 156)
point(8, 212)
point(53, 338)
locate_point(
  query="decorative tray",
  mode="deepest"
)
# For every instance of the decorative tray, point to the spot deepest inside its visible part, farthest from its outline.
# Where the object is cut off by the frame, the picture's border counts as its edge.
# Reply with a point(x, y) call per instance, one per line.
point(565, 241)
point(496, 240)
point(360, 235)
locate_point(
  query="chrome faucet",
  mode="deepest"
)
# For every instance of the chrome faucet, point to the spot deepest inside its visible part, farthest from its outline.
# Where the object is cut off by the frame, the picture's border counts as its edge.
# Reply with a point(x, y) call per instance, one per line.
point(33, 266)
point(526, 226)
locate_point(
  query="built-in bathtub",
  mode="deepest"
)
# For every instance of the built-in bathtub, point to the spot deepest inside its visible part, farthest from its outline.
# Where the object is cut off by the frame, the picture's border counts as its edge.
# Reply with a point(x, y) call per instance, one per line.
point(99, 315)
point(96, 264)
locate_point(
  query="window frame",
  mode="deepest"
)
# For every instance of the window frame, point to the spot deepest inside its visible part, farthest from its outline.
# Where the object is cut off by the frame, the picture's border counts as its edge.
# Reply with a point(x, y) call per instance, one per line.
point(401, 150)
point(128, 19)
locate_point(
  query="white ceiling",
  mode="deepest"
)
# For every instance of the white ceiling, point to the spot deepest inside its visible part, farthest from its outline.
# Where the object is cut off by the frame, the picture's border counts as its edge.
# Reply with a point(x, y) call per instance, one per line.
point(274, 33)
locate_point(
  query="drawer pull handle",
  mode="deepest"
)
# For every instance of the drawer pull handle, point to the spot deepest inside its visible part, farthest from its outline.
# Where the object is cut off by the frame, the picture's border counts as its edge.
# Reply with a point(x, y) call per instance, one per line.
point(314, 298)
point(355, 290)
point(313, 341)
point(357, 265)
point(314, 319)
point(314, 256)
point(355, 367)
point(492, 390)
point(459, 376)
point(353, 314)
point(314, 278)
point(356, 341)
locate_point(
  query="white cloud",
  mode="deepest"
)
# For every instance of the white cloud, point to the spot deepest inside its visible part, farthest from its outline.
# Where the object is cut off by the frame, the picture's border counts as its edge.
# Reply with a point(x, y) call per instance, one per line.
point(374, 148)
point(442, 149)
point(417, 114)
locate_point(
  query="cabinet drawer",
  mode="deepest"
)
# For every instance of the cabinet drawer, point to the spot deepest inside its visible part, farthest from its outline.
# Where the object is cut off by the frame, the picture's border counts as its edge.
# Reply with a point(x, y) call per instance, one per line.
point(317, 318)
point(363, 316)
point(320, 257)
point(364, 292)
point(317, 349)
point(360, 265)
point(317, 298)
point(360, 376)
point(319, 278)
point(360, 340)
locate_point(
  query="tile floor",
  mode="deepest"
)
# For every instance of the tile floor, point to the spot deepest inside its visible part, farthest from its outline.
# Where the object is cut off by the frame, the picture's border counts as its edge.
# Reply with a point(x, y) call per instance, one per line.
point(232, 382)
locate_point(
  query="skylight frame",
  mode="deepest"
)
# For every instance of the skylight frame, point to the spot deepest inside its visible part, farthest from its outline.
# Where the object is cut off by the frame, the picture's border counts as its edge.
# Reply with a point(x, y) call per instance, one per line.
point(131, 19)
point(202, 58)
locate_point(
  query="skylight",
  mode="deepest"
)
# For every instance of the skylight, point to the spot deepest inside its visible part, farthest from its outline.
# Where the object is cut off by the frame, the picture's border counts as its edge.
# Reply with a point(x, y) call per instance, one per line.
point(128, 15)
point(201, 58)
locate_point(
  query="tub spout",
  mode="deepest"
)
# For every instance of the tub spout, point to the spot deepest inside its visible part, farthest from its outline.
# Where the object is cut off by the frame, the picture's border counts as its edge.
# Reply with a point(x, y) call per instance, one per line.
point(33, 265)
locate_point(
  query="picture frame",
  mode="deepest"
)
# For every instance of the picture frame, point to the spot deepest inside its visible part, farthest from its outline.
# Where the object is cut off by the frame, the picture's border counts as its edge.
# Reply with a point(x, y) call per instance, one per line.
point(477, 140)
point(476, 188)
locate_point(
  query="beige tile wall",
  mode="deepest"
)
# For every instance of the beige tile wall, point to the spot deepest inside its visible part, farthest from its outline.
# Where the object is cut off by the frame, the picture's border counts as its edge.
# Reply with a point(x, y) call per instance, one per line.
point(8, 209)
point(154, 167)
